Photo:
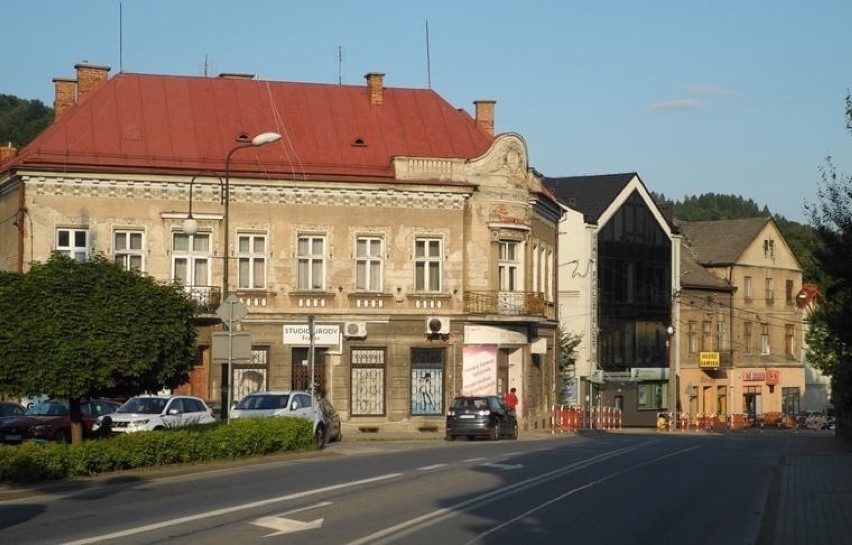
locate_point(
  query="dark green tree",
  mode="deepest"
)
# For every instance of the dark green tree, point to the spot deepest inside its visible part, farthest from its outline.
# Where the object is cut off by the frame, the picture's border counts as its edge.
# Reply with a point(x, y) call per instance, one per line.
point(22, 120)
point(831, 331)
point(87, 329)
point(713, 206)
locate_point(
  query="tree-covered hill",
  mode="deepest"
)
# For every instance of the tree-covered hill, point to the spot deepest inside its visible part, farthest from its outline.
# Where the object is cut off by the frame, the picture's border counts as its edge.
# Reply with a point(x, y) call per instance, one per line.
point(713, 206)
point(22, 120)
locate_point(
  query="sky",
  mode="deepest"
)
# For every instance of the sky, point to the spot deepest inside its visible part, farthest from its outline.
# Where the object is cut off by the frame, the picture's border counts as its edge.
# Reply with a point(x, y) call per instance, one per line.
point(730, 97)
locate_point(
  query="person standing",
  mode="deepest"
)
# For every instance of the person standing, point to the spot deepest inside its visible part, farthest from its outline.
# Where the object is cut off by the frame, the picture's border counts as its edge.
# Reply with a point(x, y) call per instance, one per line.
point(511, 400)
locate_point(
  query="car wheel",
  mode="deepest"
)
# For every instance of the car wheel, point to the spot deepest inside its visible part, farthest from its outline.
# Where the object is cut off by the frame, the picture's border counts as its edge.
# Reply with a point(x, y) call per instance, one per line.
point(449, 437)
point(319, 437)
point(515, 431)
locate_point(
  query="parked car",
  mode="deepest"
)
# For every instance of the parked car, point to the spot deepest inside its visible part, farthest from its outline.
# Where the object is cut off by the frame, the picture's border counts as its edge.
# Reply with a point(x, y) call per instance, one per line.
point(480, 416)
point(154, 412)
point(10, 409)
point(293, 403)
point(51, 421)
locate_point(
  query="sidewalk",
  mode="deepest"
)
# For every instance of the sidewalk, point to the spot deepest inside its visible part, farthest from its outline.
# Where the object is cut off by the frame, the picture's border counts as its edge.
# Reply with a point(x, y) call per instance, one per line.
point(810, 500)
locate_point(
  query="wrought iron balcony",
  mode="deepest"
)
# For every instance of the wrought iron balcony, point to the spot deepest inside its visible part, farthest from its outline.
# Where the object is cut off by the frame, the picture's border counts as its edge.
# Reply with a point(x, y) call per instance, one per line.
point(509, 303)
point(208, 298)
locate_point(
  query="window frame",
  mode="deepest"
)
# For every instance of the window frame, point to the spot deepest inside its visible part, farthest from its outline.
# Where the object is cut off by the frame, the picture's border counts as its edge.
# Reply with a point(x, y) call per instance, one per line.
point(125, 255)
point(371, 263)
point(509, 265)
point(427, 264)
point(309, 261)
point(72, 249)
point(247, 280)
point(193, 257)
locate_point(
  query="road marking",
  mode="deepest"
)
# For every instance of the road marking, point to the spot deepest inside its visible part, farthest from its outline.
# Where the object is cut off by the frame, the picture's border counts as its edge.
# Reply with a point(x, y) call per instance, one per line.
point(283, 525)
point(402, 529)
point(471, 460)
point(227, 510)
point(430, 468)
point(589, 484)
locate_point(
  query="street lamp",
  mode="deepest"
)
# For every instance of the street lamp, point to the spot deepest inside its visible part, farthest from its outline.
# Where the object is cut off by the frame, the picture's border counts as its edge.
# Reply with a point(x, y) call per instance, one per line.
point(190, 227)
point(672, 365)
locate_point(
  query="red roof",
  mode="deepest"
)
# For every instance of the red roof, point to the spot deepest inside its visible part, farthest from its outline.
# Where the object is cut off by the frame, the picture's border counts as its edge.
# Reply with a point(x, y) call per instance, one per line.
point(142, 122)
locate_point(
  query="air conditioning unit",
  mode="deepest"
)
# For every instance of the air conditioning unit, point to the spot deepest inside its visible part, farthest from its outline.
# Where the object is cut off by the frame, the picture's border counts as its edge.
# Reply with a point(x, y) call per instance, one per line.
point(437, 325)
point(355, 330)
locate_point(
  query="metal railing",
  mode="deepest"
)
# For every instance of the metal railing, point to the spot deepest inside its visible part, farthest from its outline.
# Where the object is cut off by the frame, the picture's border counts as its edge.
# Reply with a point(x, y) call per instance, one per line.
point(208, 298)
point(511, 303)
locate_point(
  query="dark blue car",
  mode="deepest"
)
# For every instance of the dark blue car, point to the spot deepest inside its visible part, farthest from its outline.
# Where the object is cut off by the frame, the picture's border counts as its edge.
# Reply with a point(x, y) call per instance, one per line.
point(480, 416)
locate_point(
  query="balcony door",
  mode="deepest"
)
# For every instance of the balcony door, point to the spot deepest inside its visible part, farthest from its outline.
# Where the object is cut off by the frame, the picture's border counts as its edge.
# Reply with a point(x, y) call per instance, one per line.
point(510, 299)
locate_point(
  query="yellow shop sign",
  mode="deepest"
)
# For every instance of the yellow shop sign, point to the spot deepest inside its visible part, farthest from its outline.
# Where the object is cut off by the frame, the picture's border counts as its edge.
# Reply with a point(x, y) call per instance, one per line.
point(708, 360)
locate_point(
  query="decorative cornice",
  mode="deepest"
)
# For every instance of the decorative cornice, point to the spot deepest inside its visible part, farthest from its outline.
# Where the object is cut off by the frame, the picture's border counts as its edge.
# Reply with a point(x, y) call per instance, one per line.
point(171, 190)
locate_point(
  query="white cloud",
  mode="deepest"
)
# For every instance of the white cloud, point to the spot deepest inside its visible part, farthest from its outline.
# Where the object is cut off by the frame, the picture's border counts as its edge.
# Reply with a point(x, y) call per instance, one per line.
point(711, 90)
point(677, 105)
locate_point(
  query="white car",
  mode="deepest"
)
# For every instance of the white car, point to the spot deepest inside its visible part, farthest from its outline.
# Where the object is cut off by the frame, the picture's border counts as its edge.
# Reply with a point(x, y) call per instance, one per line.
point(292, 403)
point(145, 413)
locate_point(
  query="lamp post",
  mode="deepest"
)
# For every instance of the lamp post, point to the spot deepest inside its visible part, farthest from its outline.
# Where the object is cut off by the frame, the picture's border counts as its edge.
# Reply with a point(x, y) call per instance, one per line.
point(672, 365)
point(190, 227)
point(259, 140)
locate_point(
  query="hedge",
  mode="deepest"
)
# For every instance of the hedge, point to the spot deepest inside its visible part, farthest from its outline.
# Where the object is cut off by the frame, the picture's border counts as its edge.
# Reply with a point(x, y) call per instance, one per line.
point(33, 462)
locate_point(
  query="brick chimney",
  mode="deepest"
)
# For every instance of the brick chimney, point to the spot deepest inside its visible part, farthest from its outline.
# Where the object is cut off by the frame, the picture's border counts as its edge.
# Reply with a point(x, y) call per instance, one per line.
point(374, 87)
point(88, 77)
point(65, 95)
point(485, 114)
point(7, 152)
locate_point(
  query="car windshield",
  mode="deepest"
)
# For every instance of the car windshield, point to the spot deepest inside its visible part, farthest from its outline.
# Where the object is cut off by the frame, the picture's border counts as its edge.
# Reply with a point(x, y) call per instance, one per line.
point(51, 408)
point(143, 405)
point(256, 402)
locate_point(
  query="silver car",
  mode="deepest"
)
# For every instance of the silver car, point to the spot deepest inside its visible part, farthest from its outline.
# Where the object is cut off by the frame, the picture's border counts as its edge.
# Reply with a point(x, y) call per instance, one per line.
point(293, 403)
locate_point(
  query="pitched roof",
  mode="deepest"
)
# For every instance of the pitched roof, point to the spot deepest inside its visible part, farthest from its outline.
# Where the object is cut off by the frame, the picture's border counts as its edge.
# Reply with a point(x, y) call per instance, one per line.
point(163, 123)
point(590, 195)
point(693, 275)
point(721, 242)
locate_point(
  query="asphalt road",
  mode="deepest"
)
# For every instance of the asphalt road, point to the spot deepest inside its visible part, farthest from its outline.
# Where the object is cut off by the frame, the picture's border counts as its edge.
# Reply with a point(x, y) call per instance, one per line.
point(638, 488)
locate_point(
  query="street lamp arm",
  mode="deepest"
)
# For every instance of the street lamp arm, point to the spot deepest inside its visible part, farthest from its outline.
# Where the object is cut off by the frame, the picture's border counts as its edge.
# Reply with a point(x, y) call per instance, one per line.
point(190, 224)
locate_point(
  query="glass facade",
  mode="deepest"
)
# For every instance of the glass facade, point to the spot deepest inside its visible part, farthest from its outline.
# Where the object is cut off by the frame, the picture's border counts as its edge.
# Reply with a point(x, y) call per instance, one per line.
point(634, 283)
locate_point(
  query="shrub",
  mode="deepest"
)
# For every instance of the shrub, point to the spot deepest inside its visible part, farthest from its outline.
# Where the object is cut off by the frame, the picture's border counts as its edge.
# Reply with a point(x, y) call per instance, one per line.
point(34, 462)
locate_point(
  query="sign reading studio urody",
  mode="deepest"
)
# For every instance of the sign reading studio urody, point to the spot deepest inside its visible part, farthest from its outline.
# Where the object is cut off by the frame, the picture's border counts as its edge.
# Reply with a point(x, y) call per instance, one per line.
point(324, 334)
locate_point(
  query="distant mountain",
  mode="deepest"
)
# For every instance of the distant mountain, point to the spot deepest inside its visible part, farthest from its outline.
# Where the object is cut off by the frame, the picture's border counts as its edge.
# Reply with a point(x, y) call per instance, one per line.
point(713, 206)
point(22, 120)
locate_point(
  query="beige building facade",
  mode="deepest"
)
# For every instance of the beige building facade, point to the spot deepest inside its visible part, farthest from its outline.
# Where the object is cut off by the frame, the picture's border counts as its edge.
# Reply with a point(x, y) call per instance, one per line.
point(424, 277)
point(741, 345)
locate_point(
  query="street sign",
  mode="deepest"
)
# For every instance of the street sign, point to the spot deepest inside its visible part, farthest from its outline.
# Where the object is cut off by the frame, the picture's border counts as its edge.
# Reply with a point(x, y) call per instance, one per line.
point(240, 346)
point(232, 310)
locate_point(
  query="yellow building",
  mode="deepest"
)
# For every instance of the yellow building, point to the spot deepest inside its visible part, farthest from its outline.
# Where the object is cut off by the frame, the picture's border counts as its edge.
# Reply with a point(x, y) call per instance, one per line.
point(740, 336)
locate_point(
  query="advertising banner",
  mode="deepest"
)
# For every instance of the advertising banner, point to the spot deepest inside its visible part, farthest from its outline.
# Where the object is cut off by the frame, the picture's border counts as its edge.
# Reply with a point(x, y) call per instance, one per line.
point(479, 370)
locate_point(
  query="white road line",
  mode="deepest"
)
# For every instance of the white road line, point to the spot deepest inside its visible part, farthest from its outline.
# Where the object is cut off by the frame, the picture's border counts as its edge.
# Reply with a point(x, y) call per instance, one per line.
point(402, 529)
point(473, 460)
point(227, 510)
point(574, 491)
point(430, 468)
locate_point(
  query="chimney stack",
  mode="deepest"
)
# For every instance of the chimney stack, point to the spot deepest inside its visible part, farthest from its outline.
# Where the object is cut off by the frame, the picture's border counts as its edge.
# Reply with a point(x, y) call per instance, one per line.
point(485, 114)
point(374, 87)
point(65, 96)
point(88, 77)
point(7, 152)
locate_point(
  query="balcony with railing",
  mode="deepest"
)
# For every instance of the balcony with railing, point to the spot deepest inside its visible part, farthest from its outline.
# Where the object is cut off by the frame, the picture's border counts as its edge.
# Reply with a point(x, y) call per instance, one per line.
point(208, 298)
point(509, 303)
